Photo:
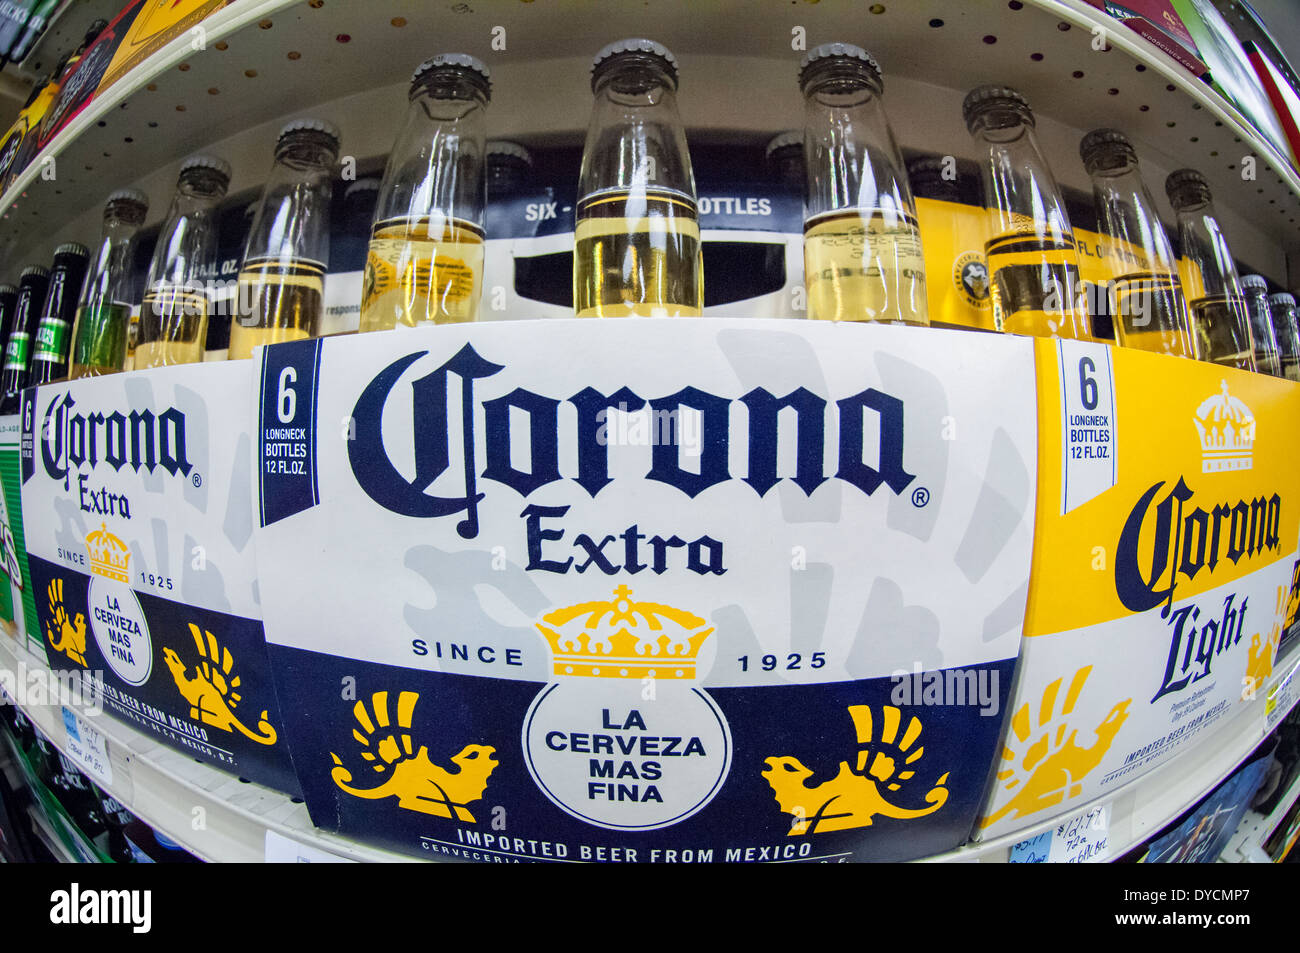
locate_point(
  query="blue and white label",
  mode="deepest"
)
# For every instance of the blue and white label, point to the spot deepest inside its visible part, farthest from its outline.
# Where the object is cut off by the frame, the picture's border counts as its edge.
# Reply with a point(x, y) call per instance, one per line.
point(1087, 422)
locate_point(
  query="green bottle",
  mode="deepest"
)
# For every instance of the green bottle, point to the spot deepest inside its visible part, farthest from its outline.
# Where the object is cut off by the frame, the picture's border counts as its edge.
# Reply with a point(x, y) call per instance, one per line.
point(104, 314)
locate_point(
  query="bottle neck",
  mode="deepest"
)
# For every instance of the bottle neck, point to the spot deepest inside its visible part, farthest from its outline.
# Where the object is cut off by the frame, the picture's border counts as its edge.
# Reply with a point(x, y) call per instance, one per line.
point(635, 140)
point(110, 274)
point(852, 159)
point(633, 78)
point(448, 95)
point(307, 151)
point(1207, 264)
point(841, 84)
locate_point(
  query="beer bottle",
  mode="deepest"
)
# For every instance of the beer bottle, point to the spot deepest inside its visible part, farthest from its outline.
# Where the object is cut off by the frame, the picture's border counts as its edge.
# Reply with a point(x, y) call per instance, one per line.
point(116, 819)
point(862, 244)
point(53, 337)
point(104, 316)
point(174, 314)
point(952, 229)
point(1262, 336)
point(425, 264)
point(1032, 257)
point(282, 279)
point(509, 166)
point(784, 158)
point(8, 299)
point(1220, 323)
point(76, 793)
point(1282, 312)
point(1145, 295)
point(32, 285)
point(637, 233)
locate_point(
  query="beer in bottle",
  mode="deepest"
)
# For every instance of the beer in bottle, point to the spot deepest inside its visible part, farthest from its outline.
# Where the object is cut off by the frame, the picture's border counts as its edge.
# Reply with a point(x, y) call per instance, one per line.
point(32, 285)
point(1263, 338)
point(1220, 323)
point(1032, 257)
point(1145, 295)
point(637, 233)
point(1282, 312)
point(174, 315)
point(282, 280)
point(104, 316)
point(862, 244)
point(53, 338)
point(8, 299)
point(425, 264)
point(509, 166)
point(784, 159)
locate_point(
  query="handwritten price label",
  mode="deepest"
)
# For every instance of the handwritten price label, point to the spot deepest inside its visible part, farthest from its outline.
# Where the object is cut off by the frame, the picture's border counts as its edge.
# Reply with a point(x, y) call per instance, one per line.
point(1084, 839)
point(285, 850)
point(88, 747)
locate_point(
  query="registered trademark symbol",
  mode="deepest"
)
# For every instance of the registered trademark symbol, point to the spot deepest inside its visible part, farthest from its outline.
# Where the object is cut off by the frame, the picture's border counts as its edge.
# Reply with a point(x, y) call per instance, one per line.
point(920, 496)
point(198, 481)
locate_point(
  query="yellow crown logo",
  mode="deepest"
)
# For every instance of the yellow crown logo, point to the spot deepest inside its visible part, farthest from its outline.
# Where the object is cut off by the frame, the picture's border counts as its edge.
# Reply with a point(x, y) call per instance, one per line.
point(624, 639)
point(1227, 429)
point(109, 556)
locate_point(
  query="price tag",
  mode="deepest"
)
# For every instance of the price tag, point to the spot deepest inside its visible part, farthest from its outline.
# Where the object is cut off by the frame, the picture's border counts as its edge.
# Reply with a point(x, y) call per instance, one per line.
point(88, 747)
point(1281, 698)
point(285, 850)
point(1084, 839)
point(1088, 465)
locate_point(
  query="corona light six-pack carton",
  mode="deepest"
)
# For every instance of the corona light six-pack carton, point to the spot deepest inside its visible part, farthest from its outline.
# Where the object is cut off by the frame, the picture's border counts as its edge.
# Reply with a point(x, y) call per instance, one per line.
point(1165, 539)
point(139, 508)
point(713, 590)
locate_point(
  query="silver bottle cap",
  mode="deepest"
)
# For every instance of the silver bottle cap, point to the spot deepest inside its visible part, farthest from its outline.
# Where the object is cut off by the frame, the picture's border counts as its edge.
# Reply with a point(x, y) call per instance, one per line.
point(461, 60)
point(782, 140)
point(221, 166)
point(128, 195)
point(839, 50)
point(634, 45)
point(368, 184)
point(503, 147)
point(316, 125)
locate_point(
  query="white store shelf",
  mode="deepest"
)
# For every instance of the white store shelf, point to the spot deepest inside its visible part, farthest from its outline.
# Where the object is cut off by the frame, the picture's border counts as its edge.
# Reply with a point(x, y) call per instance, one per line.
point(173, 792)
point(212, 814)
point(738, 79)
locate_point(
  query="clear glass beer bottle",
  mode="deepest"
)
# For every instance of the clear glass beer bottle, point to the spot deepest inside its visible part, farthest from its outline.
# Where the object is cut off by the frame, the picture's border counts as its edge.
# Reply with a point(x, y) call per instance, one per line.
point(1032, 257)
point(1282, 311)
point(425, 264)
point(1145, 293)
point(637, 233)
point(104, 314)
point(282, 278)
point(177, 299)
point(862, 244)
point(1215, 301)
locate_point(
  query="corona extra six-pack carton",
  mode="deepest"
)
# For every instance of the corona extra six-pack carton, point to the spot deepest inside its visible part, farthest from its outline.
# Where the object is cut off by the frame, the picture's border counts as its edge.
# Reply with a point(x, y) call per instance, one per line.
point(138, 495)
point(713, 590)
